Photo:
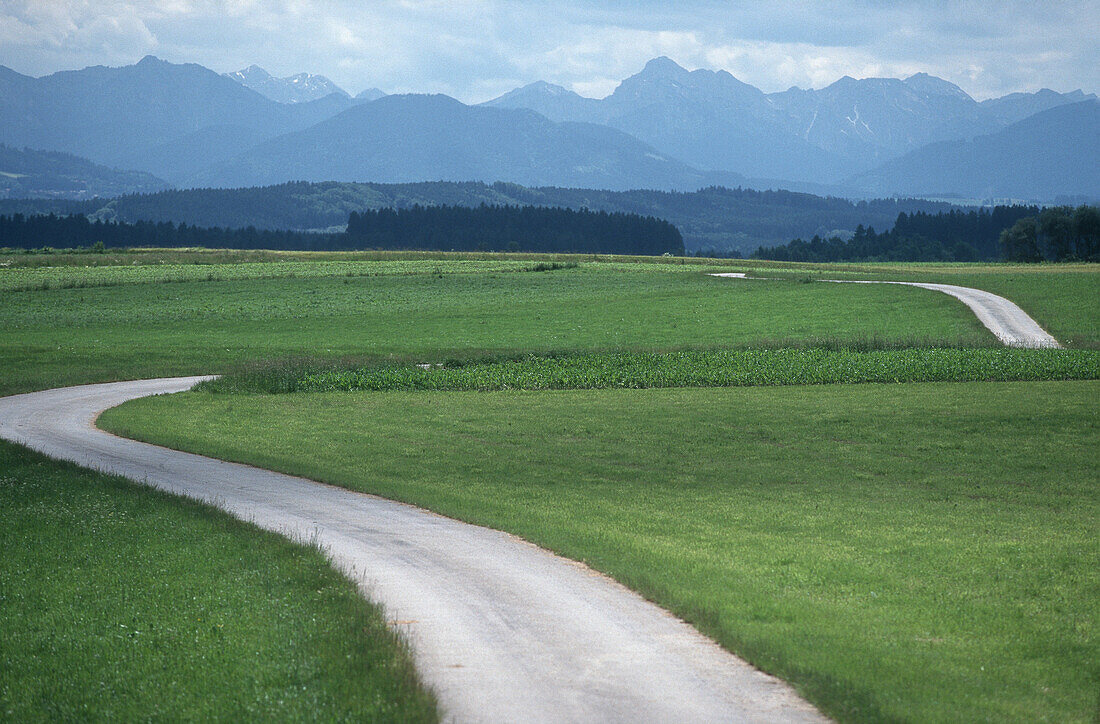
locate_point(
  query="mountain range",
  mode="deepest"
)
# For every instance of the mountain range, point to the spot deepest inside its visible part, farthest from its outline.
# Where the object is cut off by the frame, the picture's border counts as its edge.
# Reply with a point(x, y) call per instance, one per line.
point(714, 121)
point(300, 88)
point(662, 128)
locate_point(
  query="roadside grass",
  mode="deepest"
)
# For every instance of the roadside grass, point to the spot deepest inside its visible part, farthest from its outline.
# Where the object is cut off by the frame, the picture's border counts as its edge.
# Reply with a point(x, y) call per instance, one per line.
point(120, 602)
point(57, 337)
point(691, 368)
point(1063, 298)
point(921, 552)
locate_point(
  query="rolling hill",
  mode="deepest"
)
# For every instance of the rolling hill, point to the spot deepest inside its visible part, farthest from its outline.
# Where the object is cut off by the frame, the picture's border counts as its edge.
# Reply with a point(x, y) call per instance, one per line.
point(26, 173)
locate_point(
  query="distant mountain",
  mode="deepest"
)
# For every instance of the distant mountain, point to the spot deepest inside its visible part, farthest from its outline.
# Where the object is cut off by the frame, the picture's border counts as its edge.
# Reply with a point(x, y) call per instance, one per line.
point(114, 115)
point(1050, 154)
point(867, 121)
point(1018, 106)
point(712, 120)
point(664, 128)
point(552, 101)
point(300, 88)
point(708, 119)
point(403, 138)
point(26, 173)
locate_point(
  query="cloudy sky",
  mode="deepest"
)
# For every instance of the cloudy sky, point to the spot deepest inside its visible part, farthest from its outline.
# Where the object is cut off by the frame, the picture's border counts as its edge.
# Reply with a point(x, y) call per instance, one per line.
point(477, 49)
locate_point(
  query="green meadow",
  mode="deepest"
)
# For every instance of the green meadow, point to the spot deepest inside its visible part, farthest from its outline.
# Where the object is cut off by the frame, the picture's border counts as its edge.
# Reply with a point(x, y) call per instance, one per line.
point(919, 546)
point(924, 552)
point(59, 336)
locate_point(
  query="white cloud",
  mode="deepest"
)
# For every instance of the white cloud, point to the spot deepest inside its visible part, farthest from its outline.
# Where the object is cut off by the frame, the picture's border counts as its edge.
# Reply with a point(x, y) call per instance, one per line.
point(475, 49)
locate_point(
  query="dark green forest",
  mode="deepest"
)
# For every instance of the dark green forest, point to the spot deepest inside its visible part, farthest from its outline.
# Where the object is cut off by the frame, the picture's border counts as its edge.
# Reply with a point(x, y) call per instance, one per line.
point(1033, 234)
point(714, 220)
point(51, 231)
point(442, 228)
point(513, 228)
point(1057, 233)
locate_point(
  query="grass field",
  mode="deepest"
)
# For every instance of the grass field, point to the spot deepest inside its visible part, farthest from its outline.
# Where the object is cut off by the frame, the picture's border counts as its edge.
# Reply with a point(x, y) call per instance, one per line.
point(120, 603)
point(873, 543)
point(913, 552)
point(1063, 298)
point(62, 336)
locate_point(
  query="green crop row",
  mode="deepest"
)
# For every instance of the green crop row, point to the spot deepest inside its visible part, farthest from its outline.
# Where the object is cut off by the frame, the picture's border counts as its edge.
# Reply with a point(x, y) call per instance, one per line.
point(693, 368)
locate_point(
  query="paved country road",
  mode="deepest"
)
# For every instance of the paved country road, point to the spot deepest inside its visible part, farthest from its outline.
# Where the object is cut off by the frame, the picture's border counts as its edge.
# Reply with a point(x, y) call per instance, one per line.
point(1012, 325)
point(1004, 319)
point(500, 629)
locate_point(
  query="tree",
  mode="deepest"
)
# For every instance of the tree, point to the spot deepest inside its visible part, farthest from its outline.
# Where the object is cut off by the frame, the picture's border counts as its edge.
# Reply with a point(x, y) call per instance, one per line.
point(1056, 233)
point(1086, 227)
point(1021, 241)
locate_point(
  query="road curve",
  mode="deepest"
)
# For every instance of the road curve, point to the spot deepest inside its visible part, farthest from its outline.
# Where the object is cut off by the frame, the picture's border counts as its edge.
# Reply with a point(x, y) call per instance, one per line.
point(1000, 316)
point(500, 629)
point(1012, 325)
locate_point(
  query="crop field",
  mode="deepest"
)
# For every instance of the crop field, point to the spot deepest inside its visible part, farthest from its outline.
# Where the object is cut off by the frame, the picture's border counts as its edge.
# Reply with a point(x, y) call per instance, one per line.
point(695, 368)
point(919, 546)
point(59, 336)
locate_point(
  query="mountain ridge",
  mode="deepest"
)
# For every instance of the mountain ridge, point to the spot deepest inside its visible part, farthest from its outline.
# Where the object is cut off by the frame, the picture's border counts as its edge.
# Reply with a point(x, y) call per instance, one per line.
point(186, 123)
point(405, 138)
point(297, 88)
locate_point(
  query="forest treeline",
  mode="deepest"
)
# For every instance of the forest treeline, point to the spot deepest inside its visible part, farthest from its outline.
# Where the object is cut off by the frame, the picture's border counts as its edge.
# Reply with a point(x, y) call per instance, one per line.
point(445, 228)
point(513, 228)
point(715, 220)
point(51, 231)
point(1055, 234)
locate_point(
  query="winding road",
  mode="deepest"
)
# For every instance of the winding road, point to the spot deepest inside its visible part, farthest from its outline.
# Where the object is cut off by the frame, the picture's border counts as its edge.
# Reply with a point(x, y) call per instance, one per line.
point(500, 629)
point(1010, 324)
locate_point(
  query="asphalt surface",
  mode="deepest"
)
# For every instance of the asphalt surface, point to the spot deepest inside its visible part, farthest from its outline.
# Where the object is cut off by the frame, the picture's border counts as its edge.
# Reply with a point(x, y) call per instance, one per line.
point(500, 629)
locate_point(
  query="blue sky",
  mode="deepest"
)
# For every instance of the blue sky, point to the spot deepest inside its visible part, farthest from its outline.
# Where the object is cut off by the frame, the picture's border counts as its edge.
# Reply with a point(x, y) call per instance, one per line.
point(477, 49)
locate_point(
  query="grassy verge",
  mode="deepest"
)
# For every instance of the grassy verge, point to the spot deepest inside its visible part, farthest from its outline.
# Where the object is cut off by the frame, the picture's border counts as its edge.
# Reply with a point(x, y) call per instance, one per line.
point(118, 602)
point(918, 552)
point(694, 368)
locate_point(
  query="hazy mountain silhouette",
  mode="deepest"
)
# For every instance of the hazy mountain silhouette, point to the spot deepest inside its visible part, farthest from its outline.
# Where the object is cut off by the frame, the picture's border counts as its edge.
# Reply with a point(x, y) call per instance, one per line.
point(712, 120)
point(664, 127)
point(403, 138)
point(1055, 152)
point(112, 115)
